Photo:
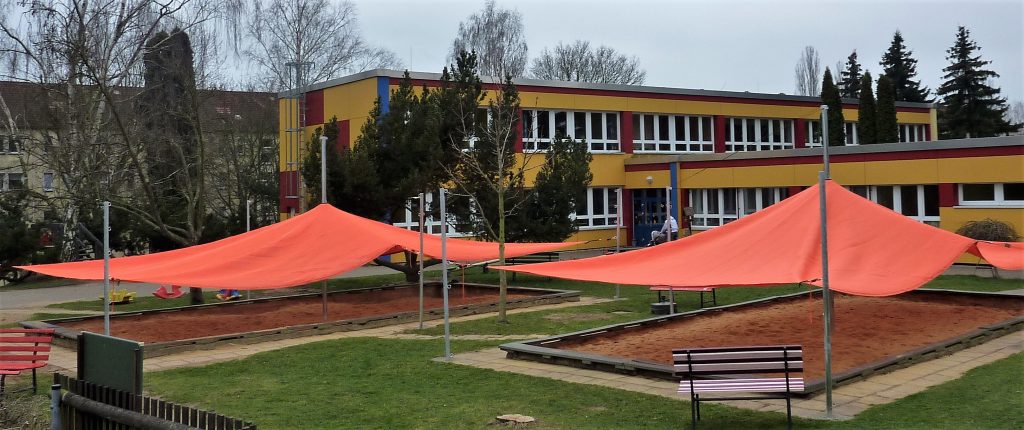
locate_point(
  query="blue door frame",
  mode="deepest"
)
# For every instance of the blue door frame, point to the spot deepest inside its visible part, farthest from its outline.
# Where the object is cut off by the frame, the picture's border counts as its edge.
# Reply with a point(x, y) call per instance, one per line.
point(648, 213)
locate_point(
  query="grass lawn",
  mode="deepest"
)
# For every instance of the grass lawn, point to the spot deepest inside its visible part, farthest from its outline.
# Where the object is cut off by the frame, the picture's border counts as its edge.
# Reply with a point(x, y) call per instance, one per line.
point(39, 317)
point(393, 384)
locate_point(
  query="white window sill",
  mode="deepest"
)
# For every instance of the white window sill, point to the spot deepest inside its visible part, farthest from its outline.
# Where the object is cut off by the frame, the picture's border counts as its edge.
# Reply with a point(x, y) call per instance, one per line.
point(597, 227)
point(991, 206)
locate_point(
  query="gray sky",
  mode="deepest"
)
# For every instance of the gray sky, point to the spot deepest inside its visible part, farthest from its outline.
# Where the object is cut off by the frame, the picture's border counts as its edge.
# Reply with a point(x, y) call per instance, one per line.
point(748, 45)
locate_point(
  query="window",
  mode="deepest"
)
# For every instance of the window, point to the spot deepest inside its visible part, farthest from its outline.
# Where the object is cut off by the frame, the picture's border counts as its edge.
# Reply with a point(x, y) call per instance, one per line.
point(673, 133)
point(10, 144)
point(715, 207)
point(599, 129)
point(600, 210)
point(758, 134)
point(913, 132)
point(851, 133)
point(919, 202)
point(47, 181)
point(13, 181)
point(431, 219)
point(1009, 194)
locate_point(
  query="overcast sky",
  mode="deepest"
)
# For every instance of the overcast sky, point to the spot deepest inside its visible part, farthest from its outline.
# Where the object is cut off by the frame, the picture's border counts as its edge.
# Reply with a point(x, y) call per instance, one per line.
point(748, 45)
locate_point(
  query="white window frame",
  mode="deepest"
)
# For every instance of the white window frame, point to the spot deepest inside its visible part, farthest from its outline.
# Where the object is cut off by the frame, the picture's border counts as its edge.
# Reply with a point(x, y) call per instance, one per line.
point(851, 133)
point(758, 143)
point(5, 181)
point(999, 197)
point(532, 142)
point(48, 187)
point(912, 133)
point(607, 220)
point(411, 219)
point(7, 141)
point(675, 144)
point(897, 202)
point(706, 217)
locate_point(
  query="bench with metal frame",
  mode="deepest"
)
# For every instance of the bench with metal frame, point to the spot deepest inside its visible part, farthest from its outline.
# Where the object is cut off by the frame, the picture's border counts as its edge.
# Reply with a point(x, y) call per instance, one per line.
point(713, 302)
point(722, 370)
point(23, 349)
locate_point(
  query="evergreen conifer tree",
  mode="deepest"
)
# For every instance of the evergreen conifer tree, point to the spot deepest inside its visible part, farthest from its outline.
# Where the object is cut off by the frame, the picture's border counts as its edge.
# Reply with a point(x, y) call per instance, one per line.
point(830, 97)
point(886, 129)
point(970, 106)
point(901, 69)
point(866, 114)
point(849, 84)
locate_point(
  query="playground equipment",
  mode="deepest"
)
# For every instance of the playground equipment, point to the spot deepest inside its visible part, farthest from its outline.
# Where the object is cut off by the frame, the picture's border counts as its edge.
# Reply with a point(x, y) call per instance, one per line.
point(173, 294)
point(120, 297)
point(228, 295)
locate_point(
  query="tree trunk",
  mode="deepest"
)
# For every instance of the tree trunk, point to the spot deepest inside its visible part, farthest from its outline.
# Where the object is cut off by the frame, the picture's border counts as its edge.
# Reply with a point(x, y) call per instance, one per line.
point(409, 268)
point(195, 296)
point(502, 275)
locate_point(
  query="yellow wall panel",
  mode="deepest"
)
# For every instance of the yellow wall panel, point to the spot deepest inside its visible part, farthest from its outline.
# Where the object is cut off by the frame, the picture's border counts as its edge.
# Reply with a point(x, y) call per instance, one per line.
point(659, 179)
point(760, 175)
point(608, 170)
point(707, 178)
point(350, 100)
point(953, 218)
point(1008, 168)
point(917, 118)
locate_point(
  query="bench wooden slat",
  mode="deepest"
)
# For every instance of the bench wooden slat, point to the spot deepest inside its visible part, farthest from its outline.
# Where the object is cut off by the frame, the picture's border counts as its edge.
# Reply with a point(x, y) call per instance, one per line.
point(743, 367)
point(686, 289)
point(739, 348)
point(26, 330)
point(25, 348)
point(9, 372)
point(738, 356)
point(26, 339)
point(756, 385)
point(21, 357)
point(21, 366)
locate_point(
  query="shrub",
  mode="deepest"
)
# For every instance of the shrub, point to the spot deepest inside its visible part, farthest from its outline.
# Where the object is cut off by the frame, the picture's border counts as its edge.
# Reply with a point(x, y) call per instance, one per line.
point(989, 229)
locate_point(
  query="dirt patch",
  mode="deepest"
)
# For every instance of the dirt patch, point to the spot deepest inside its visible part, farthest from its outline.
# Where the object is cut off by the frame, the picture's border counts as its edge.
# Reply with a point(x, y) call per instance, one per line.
point(866, 329)
point(247, 317)
point(566, 317)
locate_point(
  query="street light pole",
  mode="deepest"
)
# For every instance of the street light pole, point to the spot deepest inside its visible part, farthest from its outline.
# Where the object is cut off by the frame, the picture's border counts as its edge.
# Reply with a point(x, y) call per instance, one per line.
point(826, 293)
point(618, 230)
point(423, 202)
point(323, 200)
point(248, 226)
point(444, 274)
point(106, 268)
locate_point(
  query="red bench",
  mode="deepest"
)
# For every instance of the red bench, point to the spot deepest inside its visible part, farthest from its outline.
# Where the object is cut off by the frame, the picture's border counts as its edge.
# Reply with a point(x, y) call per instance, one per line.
point(713, 302)
point(23, 349)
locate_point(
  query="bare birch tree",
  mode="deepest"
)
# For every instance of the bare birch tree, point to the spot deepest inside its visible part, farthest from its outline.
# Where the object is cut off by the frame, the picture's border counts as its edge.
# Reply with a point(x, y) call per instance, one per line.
point(497, 37)
point(581, 63)
point(808, 72)
point(279, 34)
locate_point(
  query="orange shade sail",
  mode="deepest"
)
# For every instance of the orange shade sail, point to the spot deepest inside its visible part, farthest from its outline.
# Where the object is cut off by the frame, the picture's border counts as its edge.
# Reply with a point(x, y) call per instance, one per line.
point(315, 245)
point(873, 251)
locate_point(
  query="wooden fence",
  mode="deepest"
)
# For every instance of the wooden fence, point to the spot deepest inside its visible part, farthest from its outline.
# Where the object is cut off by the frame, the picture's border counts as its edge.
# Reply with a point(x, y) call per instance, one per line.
point(86, 406)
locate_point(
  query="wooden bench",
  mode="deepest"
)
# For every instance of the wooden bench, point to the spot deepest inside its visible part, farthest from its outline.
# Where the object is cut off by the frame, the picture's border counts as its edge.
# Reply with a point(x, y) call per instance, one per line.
point(23, 349)
point(720, 370)
point(713, 302)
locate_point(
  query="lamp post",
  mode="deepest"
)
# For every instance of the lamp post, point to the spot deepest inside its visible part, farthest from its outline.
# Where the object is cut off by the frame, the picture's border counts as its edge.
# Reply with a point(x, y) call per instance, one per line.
point(106, 268)
point(248, 226)
point(444, 274)
point(323, 200)
point(618, 229)
point(826, 294)
point(422, 202)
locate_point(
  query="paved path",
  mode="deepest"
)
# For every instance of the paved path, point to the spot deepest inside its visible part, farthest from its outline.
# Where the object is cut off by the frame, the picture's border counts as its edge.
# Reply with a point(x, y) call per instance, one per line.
point(849, 400)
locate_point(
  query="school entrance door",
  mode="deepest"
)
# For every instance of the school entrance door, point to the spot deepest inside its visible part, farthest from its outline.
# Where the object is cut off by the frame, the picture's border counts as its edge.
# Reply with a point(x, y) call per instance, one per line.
point(648, 214)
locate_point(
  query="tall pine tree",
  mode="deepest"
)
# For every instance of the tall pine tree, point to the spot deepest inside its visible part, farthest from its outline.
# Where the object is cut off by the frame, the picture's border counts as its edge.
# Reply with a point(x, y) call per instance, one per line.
point(901, 69)
point(830, 97)
point(866, 114)
point(970, 106)
point(886, 129)
point(849, 83)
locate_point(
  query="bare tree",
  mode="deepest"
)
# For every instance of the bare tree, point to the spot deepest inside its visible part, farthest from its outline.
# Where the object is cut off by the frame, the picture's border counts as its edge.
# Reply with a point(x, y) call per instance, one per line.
point(496, 36)
point(1015, 115)
point(579, 62)
point(323, 33)
point(84, 61)
point(808, 72)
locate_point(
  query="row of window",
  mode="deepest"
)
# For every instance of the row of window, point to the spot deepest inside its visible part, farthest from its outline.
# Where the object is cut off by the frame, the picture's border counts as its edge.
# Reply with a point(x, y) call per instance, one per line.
point(919, 202)
point(599, 129)
point(17, 181)
point(672, 133)
point(758, 134)
point(908, 133)
point(715, 207)
point(1009, 194)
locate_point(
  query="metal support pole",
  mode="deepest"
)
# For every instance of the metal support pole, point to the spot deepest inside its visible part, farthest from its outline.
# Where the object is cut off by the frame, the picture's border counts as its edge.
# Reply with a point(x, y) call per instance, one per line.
point(668, 238)
point(826, 293)
point(444, 275)
point(618, 230)
point(55, 407)
point(323, 199)
point(423, 203)
point(248, 227)
point(106, 268)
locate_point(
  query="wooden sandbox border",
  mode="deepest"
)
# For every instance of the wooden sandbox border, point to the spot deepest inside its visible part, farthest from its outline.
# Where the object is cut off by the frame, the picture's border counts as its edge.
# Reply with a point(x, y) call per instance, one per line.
point(68, 338)
point(539, 350)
